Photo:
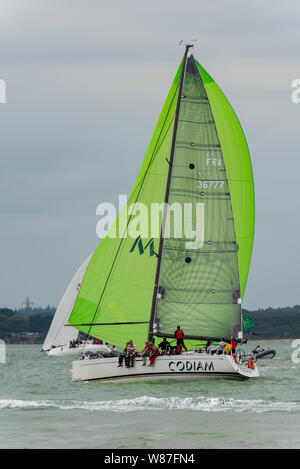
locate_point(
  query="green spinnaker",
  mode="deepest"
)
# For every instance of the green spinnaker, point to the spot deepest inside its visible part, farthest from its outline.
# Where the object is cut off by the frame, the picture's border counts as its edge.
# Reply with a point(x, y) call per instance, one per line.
point(239, 171)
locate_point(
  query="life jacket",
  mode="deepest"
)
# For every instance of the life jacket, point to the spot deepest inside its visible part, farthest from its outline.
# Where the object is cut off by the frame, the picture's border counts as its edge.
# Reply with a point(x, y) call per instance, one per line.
point(131, 350)
point(251, 364)
point(147, 348)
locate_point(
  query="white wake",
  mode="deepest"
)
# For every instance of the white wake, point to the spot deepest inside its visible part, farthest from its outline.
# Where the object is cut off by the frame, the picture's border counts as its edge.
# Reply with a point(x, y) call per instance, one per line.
point(144, 403)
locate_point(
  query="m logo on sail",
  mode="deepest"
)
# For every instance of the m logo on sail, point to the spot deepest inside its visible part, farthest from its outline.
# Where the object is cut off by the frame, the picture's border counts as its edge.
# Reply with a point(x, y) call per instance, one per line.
point(139, 243)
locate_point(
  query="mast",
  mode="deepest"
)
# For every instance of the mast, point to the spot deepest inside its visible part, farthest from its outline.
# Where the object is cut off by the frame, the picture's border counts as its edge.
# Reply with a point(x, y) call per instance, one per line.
point(154, 300)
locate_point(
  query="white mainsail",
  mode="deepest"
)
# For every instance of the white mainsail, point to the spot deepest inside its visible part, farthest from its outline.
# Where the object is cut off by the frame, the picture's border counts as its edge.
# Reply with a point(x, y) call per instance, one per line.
point(58, 334)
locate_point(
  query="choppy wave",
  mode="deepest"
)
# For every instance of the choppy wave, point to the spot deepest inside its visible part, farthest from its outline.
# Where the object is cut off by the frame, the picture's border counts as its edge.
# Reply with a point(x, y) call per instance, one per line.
point(204, 404)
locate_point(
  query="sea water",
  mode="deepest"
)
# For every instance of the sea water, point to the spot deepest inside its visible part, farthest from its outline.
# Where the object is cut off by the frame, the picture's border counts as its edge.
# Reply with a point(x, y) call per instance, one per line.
point(40, 407)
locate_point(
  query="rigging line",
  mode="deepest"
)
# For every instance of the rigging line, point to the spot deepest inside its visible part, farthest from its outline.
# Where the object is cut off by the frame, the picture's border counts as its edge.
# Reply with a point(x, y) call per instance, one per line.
point(196, 178)
point(196, 337)
point(189, 303)
point(130, 216)
point(179, 99)
point(198, 253)
point(155, 151)
point(198, 290)
point(207, 195)
point(195, 122)
point(192, 145)
point(107, 323)
point(194, 97)
point(186, 146)
point(199, 101)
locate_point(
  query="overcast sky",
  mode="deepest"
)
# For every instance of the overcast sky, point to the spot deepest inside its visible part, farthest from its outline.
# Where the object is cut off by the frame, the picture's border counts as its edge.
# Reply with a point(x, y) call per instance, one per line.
point(86, 80)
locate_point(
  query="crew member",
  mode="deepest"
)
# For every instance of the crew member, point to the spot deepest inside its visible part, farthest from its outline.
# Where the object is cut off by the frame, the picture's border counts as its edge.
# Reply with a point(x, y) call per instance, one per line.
point(179, 335)
point(146, 352)
point(130, 354)
point(153, 354)
point(164, 346)
point(258, 349)
point(233, 344)
point(208, 345)
point(123, 355)
point(221, 346)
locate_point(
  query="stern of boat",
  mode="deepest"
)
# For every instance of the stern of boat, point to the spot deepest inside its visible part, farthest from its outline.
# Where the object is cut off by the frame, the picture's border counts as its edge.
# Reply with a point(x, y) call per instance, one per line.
point(247, 369)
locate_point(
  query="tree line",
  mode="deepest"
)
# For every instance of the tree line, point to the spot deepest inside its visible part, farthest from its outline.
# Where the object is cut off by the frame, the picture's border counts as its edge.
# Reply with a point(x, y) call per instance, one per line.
point(275, 323)
point(37, 320)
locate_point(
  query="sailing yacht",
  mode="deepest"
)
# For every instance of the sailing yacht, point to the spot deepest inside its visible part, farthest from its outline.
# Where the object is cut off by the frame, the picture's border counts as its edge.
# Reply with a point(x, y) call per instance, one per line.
point(58, 340)
point(141, 286)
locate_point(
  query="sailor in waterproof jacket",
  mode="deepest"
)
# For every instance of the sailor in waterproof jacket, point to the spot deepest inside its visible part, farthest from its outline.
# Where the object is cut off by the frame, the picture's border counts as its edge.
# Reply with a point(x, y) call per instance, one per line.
point(130, 354)
point(179, 335)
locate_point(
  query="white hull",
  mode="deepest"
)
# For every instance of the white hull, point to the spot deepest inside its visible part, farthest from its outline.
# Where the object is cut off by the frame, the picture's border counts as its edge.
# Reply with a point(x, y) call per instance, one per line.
point(77, 351)
point(187, 365)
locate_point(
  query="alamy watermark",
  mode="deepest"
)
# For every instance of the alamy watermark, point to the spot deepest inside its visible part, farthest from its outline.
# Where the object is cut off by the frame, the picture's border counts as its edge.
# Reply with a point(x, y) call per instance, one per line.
point(2, 92)
point(295, 96)
point(2, 351)
point(296, 353)
point(136, 220)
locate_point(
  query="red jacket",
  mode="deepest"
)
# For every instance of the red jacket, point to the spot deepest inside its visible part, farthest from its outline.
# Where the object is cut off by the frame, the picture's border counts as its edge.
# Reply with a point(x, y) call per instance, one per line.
point(154, 350)
point(179, 334)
